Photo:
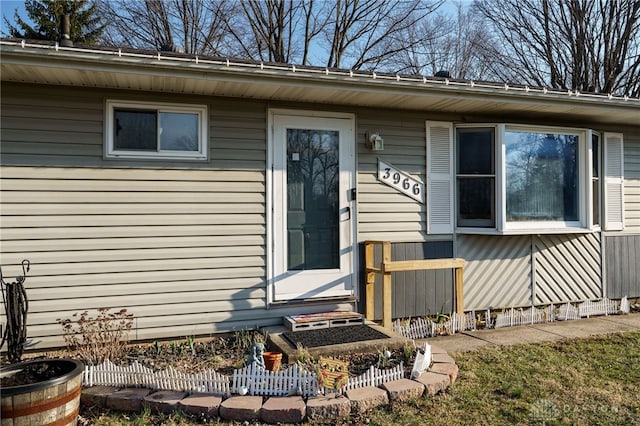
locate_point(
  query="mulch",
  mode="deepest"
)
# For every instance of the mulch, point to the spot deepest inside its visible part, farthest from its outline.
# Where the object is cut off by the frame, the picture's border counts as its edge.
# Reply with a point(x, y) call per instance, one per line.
point(333, 336)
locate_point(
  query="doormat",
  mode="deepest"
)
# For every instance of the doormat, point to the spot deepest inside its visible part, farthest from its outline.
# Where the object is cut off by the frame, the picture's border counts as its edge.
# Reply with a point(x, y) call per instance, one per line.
point(333, 336)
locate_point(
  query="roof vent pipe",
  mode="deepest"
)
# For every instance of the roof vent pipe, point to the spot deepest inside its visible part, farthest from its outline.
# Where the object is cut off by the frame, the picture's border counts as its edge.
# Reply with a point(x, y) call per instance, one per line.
point(443, 73)
point(65, 31)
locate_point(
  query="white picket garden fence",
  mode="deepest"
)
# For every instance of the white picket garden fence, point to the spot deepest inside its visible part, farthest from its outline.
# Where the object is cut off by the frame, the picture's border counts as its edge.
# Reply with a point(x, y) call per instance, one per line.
point(375, 377)
point(258, 381)
point(298, 381)
point(601, 307)
point(420, 328)
point(137, 375)
point(533, 315)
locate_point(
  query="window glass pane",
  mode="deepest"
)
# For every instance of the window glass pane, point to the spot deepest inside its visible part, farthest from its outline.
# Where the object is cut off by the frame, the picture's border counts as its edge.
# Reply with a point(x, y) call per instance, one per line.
point(595, 155)
point(595, 177)
point(135, 130)
point(541, 176)
point(178, 131)
point(476, 202)
point(596, 202)
point(475, 151)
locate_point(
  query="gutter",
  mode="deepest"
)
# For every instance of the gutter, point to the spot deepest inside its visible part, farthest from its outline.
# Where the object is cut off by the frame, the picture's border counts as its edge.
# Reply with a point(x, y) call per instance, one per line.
point(167, 64)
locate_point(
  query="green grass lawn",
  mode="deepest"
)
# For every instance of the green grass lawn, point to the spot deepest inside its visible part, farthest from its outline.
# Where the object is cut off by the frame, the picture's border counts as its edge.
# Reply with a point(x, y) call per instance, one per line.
point(593, 381)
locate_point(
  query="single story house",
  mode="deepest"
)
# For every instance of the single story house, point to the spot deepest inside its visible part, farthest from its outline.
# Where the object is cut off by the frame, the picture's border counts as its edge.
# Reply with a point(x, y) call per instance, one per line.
point(208, 195)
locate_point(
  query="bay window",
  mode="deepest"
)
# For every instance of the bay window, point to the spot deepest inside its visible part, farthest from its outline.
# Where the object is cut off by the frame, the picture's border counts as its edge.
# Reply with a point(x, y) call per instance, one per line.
point(521, 179)
point(516, 179)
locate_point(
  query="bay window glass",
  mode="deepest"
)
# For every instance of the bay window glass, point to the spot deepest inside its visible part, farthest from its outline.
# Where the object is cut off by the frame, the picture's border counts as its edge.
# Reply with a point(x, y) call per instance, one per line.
point(595, 177)
point(541, 176)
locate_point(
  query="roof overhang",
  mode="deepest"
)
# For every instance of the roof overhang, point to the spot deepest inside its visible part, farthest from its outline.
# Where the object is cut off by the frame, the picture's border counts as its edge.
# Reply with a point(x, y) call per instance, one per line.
point(165, 72)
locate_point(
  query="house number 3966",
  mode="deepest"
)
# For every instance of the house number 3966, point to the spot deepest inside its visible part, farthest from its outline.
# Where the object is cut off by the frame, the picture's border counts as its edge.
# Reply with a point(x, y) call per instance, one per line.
point(402, 182)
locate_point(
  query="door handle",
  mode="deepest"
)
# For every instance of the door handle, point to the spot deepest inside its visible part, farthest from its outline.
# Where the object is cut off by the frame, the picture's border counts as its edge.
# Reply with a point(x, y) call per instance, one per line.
point(348, 210)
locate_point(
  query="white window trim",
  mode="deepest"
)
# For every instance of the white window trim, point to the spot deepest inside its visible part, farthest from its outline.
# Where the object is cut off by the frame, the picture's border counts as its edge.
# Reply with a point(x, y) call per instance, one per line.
point(201, 110)
point(590, 133)
point(502, 227)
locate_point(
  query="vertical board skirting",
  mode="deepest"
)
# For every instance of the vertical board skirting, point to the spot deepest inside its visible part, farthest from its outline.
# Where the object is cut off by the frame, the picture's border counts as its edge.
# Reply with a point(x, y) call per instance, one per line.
point(416, 293)
point(498, 270)
point(568, 268)
point(622, 270)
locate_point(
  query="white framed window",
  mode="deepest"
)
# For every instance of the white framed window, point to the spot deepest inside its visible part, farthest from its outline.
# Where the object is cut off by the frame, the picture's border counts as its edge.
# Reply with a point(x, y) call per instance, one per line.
point(524, 179)
point(145, 130)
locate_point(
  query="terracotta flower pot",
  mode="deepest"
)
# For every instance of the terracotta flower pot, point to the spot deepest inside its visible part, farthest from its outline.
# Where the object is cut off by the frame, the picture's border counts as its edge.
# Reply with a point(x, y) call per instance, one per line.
point(41, 392)
point(272, 360)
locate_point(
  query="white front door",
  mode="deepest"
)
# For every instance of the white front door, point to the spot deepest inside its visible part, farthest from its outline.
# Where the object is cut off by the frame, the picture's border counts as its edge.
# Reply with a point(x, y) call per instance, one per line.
point(313, 208)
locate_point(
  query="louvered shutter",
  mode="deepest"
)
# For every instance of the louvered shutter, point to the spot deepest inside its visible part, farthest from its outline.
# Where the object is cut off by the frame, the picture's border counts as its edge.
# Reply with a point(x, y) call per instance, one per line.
point(613, 199)
point(440, 191)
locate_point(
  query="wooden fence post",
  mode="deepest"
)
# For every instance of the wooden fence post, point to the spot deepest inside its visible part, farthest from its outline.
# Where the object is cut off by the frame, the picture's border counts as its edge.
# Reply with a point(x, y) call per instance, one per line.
point(459, 291)
point(371, 281)
point(386, 286)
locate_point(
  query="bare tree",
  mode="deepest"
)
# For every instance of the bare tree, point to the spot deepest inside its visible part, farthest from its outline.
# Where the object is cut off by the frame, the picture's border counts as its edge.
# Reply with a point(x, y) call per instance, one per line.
point(453, 43)
point(193, 25)
point(357, 34)
point(583, 45)
point(264, 30)
point(370, 33)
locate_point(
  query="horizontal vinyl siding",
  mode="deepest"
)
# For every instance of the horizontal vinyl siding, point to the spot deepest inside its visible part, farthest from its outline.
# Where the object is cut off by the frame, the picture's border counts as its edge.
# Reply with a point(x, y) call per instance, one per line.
point(182, 248)
point(166, 261)
point(632, 182)
point(383, 212)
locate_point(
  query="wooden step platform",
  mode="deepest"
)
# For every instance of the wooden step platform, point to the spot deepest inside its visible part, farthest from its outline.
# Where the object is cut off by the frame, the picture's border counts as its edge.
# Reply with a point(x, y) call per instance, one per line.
point(321, 320)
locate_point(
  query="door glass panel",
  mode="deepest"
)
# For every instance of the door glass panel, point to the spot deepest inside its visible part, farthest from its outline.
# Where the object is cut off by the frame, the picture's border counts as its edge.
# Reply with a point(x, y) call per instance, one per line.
point(313, 199)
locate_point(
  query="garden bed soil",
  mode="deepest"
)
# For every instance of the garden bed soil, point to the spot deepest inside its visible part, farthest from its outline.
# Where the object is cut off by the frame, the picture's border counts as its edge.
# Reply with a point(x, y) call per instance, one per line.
point(224, 353)
point(333, 336)
point(33, 373)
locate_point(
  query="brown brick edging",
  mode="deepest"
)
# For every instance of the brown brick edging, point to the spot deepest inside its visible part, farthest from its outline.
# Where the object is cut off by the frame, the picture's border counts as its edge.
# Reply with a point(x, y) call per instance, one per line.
point(282, 409)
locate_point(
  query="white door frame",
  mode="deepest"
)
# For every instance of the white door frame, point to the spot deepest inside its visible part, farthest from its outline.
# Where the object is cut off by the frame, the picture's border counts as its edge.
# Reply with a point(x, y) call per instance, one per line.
point(272, 185)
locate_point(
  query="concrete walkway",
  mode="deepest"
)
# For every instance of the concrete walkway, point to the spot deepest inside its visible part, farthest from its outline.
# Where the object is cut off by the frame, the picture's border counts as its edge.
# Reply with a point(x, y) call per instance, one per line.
point(585, 327)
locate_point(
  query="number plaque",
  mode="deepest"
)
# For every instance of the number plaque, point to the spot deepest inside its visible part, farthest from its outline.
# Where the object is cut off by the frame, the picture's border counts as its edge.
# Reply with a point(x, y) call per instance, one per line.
point(400, 181)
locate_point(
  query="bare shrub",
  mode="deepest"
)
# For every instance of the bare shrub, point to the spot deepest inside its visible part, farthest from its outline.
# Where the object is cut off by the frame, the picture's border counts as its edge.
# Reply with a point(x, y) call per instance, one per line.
point(96, 339)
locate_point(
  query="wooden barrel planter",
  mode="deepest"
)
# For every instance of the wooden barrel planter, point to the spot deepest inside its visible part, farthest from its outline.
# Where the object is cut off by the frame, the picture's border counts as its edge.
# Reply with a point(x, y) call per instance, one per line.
point(50, 395)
